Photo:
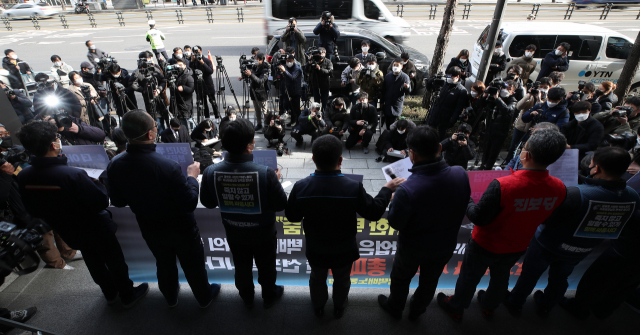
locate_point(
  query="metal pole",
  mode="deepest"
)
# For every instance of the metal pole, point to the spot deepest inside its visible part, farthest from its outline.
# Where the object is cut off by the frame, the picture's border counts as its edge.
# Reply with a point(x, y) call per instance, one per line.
point(491, 39)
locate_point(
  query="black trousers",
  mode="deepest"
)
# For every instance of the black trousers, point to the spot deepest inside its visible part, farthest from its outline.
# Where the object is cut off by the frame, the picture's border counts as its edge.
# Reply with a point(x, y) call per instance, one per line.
point(492, 148)
point(214, 106)
point(247, 247)
point(292, 104)
point(319, 290)
point(389, 120)
point(474, 266)
point(298, 135)
point(354, 137)
point(106, 264)
point(188, 248)
point(405, 266)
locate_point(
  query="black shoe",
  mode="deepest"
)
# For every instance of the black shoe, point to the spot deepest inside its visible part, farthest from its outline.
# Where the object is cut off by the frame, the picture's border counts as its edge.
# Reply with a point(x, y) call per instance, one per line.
point(24, 315)
point(319, 312)
point(174, 303)
point(414, 313)
point(248, 303)
point(258, 127)
point(379, 159)
point(270, 145)
point(138, 293)
point(541, 310)
point(383, 302)
point(571, 306)
point(379, 152)
point(299, 144)
point(279, 290)
point(514, 310)
point(487, 314)
point(339, 312)
point(365, 150)
point(443, 302)
point(215, 290)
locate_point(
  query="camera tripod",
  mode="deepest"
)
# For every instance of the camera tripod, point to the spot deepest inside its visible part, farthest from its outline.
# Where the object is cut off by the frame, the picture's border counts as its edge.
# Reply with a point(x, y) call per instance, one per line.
point(199, 99)
point(221, 78)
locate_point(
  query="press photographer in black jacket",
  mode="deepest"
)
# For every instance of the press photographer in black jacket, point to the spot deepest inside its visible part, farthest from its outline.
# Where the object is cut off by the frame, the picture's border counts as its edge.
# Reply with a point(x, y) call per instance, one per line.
point(363, 120)
point(259, 79)
point(51, 97)
point(458, 150)
point(500, 108)
point(184, 93)
point(452, 100)
point(21, 104)
point(337, 118)
point(200, 62)
point(116, 74)
point(319, 69)
point(149, 80)
point(274, 128)
point(584, 132)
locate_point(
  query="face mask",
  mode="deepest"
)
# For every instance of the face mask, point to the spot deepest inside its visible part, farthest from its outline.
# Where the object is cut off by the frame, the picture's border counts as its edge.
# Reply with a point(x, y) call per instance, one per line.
point(528, 54)
point(544, 90)
point(150, 60)
point(551, 104)
point(208, 129)
point(599, 92)
point(289, 64)
point(178, 56)
point(58, 63)
point(93, 47)
point(498, 51)
point(7, 142)
point(59, 147)
point(371, 67)
point(582, 117)
point(79, 81)
point(504, 93)
point(464, 60)
point(396, 69)
point(558, 52)
point(232, 118)
point(14, 56)
point(365, 49)
point(365, 101)
point(116, 75)
point(187, 53)
point(405, 62)
point(401, 131)
point(452, 80)
point(474, 94)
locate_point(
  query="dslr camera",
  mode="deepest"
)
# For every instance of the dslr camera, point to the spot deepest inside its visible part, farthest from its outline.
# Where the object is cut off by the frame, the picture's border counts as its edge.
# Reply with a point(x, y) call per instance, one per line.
point(622, 111)
point(581, 84)
point(461, 137)
point(291, 26)
point(9, 92)
point(314, 55)
point(494, 87)
point(197, 54)
point(465, 113)
point(219, 60)
point(533, 88)
point(576, 95)
point(326, 18)
point(18, 247)
point(366, 125)
point(62, 119)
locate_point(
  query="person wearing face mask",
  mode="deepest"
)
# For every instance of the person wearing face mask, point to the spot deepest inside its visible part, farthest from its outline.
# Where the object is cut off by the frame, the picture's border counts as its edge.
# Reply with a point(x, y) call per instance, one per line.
point(589, 96)
point(564, 241)
point(526, 63)
point(629, 122)
point(259, 81)
point(461, 61)
point(178, 54)
point(394, 139)
point(371, 79)
point(294, 37)
point(153, 102)
point(532, 98)
point(116, 74)
point(584, 132)
point(360, 113)
point(365, 45)
point(497, 64)
point(327, 32)
point(53, 97)
point(86, 72)
point(206, 130)
point(230, 115)
point(427, 210)
point(408, 68)
point(93, 53)
point(554, 110)
point(555, 60)
point(605, 97)
point(337, 118)
point(291, 88)
point(208, 68)
point(513, 73)
point(499, 110)
point(20, 103)
point(449, 105)
point(176, 133)
point(75, 206)
point(16, 68)
point(319, 76)
point(459, 151)
point(60, 71)
point(394, 87)
point(185, 87)
point(187, 52)
point(163, 200)
point(76, 89)
point(349, 77)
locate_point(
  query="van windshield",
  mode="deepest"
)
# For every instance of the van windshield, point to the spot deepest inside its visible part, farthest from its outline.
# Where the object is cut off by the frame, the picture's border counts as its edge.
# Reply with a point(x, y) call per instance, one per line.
point(311, 9)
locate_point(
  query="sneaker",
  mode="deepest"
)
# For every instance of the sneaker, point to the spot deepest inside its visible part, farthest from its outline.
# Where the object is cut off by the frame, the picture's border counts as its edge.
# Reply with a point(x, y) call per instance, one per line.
point(270, 145)
point(138, 293)
point(443, 302)
point(487, 314)
point(77, 257)
point(215, 290)
point(23, 315)
point(339, 312)
point(383, 301)
point(279, 290)
point(514, 310)
point(365, 150)
point(571, 306)
point(541, 310)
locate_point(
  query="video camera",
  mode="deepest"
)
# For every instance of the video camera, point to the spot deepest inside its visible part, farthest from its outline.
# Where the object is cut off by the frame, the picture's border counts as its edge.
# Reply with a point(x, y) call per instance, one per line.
point(366, 125)
point(538, 117)
point(281, 60)
point(104, 63)
point(119, 88)
point(18, 248)
point(199, 76)
point(144, 64)
point(219, 60)
point(494, 88)
point(576, 96)
point(438, 81)
point(622, 111)
point(533, 88)
point(246, 64)
point(626, 141)
point(281, 150)
point(9, 92)
point(314, 55)
point(14, 156)
point(581, 84)
point(461, 137)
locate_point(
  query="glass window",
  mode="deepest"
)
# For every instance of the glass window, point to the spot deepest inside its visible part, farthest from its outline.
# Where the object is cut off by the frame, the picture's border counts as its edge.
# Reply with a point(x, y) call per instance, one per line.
point(581, 47)
point(371, 11)
point(482, 40)
point(544, 44)
point(311, 9)
point(618, 48)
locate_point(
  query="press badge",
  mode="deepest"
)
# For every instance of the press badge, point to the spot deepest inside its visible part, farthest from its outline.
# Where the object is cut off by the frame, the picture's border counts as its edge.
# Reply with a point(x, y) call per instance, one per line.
point(605, 219)
point(238, 192)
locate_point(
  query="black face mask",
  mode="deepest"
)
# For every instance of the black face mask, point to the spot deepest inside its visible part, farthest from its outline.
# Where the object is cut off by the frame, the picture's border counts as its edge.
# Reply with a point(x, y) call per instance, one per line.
point(7, 142)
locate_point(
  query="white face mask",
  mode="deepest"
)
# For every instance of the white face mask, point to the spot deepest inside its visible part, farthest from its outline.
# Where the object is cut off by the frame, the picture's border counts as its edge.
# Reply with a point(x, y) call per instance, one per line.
point(396, 69)
point(498, 51)
point(551, 104)
point(289, 64)
point(452, 80)
point(504, 93)
point(365, 101)
point(14, 56)
point(474, 94)
point(150, 60)
point(464, 60)
point(58, 63)
point(371, 67)
point(208, 129)
point(232, 118)
point(401, 131)
point(93, 47)
point(117, 75)
point(178, 56)
point(187, 53)
point(558, 52)
point(582, 117)
point(365, 49)
point(545, 90)
point(404, 62)
point(528, 54)
point(79, 81)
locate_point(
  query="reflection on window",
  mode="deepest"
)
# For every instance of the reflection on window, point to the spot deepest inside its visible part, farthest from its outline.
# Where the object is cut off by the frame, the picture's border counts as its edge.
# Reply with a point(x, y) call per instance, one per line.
point(618, 48)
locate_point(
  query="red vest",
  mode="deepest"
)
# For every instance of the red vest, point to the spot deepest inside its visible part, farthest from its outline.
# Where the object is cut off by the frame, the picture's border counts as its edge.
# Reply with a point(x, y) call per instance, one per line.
point(527, 199)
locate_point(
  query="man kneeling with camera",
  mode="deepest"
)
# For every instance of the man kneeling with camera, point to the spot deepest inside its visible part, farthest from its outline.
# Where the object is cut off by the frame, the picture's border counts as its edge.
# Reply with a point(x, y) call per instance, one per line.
point(459, 149)
point(275, 129)
point(310, 122)
point(337, 118)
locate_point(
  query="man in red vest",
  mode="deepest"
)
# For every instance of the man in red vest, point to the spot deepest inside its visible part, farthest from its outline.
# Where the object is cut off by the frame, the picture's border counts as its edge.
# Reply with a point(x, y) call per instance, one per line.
point(506, 218)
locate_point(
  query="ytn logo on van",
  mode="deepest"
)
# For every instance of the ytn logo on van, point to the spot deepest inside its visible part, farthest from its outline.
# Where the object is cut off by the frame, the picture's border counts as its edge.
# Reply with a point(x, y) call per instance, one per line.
point(595, 74)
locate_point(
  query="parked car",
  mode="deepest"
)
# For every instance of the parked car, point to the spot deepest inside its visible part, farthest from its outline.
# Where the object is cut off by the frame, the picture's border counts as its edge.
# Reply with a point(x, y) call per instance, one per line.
point(29, 9)
point(349, 45)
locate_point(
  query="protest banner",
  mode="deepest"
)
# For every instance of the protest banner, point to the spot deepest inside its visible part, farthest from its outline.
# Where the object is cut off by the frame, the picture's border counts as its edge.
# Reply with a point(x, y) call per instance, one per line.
point(177, 152)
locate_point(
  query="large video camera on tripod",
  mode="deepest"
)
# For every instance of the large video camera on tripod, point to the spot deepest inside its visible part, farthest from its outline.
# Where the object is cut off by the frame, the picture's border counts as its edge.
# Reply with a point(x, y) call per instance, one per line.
point(103, 63)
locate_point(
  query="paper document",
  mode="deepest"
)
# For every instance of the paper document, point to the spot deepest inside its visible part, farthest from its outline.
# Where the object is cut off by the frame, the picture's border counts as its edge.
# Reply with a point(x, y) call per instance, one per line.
point(93, 173)
point(566, 167)
point(210, 142)
point(399, 169)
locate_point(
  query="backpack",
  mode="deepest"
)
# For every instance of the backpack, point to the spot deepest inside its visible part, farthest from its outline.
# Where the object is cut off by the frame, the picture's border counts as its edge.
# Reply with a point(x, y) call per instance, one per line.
point(204, 156)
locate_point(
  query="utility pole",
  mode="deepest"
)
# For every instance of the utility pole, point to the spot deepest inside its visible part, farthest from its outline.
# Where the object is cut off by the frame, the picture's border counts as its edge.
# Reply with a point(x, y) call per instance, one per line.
point(628, 72)
point(491, 39)
point(448, 20)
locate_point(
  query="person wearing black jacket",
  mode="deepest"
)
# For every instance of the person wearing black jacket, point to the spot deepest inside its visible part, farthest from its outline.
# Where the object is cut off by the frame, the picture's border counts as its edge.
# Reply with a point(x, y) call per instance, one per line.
point(497, 64)
point(461, 61)
point(200, 62)
point(116, 74)
point(175, 134)
point(152, 88)
point(319, 75)
point(80, 133)
point(395, 139)
point(394, 87)
point(21, 104)
point(500, 109)
point(291, 87)
point(408, 68)
point(584, 132)
point(163, 200)
point(86, 72)
point(75, 207)
point(259, 79)
point(459, 151)
point(363, 120)
point(178, 54)
point(331, 234)
point(556, 60)
point(16, 68)
point(328, 32)
point(311, 122)
point(452, 100)
point(337, 118)
point(205, 130)
point(231, 115)
point(274, 129)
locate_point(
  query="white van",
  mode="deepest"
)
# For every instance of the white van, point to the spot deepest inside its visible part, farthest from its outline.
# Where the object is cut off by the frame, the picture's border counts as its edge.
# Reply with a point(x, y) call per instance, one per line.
point(366, 14)
point(597, 54)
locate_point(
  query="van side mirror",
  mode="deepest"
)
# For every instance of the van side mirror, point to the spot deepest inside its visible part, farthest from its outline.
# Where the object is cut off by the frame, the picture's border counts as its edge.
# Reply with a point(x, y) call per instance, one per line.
point(381, 55)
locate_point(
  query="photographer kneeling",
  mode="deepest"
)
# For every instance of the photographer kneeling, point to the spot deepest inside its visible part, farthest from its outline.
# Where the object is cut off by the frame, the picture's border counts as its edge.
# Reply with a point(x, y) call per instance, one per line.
point(500, 105)
point(337, 118)
point(310, 122)
point(459, 149)
point(622, 119)
point(393, 143)
point(275, 129)
point(584, 132)
point(363, 120)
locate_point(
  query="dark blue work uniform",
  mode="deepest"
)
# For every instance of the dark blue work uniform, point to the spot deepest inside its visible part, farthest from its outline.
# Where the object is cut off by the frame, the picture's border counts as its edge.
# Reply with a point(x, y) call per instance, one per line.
point(75, 207)
point(163, 201)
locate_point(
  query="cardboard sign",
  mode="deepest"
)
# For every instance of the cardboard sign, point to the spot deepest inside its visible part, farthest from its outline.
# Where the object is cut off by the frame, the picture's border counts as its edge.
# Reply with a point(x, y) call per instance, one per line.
point(605, 219)
point(238, 192)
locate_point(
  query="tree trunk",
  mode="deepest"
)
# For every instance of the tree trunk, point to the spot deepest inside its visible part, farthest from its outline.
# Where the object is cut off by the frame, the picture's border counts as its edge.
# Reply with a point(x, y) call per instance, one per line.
point(437, 61)
point(628, 72)
point(63, 4)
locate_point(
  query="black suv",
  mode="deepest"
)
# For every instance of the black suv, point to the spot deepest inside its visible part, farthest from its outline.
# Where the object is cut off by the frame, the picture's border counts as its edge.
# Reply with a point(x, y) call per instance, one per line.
point(349, 45)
